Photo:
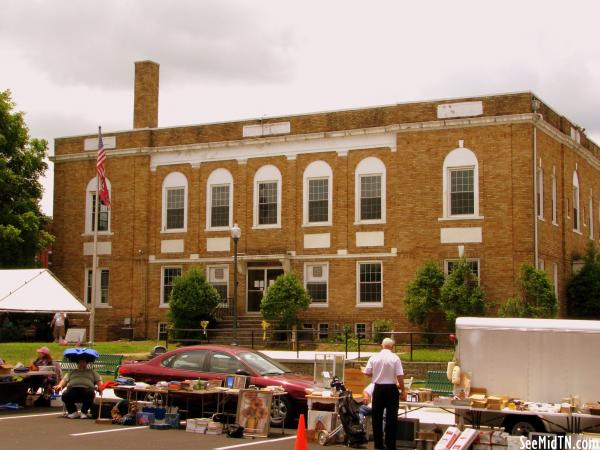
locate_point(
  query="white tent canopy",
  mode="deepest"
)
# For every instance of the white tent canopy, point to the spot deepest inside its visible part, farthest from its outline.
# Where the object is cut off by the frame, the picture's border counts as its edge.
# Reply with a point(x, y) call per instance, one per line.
point(36, 291)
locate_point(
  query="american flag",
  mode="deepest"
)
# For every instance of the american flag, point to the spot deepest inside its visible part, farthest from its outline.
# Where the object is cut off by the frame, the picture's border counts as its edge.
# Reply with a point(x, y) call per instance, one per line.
point(100, 160)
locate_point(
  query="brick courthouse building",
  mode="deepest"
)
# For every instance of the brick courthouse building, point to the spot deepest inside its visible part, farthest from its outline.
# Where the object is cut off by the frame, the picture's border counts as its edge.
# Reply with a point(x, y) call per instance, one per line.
point(353, 201)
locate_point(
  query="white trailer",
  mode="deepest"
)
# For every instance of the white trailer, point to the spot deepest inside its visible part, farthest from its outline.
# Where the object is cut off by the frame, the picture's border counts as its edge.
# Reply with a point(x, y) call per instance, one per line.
point(540, 360)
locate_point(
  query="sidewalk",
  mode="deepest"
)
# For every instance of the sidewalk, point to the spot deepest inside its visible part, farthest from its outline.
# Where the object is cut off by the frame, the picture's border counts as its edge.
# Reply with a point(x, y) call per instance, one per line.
point(287, 355)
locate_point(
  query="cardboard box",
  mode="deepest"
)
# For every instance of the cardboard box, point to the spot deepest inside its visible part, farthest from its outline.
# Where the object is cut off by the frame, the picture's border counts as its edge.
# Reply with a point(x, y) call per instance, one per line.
point(466, 438)
point(321, 420)
point(514, 442)
point(499, 438)
point(482, 446)
point(484, 437)
point(448, 438)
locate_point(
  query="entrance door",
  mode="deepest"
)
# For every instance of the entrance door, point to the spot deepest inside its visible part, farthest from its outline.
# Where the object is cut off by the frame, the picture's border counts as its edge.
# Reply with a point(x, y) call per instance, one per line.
point(258, 281)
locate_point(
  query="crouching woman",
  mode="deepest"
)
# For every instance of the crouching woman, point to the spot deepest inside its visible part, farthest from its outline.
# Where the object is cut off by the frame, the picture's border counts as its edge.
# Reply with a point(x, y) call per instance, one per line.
point(80, 384)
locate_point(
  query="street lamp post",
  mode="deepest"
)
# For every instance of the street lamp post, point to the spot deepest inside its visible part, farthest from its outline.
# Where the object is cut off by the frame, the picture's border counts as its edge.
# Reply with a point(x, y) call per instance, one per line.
point(236, 233)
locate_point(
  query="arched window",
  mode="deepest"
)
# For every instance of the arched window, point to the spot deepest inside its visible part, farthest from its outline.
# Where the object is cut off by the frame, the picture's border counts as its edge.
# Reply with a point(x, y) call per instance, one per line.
point(267, 197)
point(219, 204)
point(370, 186)
point(576, 218)
point(174, 202)
point(460, 180)
point(317, 182)
point(90, 211)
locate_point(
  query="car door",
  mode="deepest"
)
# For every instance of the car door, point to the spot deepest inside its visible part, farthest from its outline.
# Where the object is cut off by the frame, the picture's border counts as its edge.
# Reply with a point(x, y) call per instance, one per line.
point(221, 364)
point(185, 365)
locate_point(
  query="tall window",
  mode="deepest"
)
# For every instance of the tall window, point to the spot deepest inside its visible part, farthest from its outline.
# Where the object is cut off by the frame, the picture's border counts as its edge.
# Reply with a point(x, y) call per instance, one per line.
point(460, 182)
point(370, 191)
point(462, 192)
point(317, 193)
point(576, 218)
point(591, 218)
point(555, 277)
point(540, 193)
point(102, 281)
point(219, 214)
point(218, 277)
point(267, 197)
point(554, 213)
point(267, 203)
point(175, 208)
point(174, 202)
point(168, 276)
point(369, 283)
point(90, 209)
point(219, 193)
point(316, 279)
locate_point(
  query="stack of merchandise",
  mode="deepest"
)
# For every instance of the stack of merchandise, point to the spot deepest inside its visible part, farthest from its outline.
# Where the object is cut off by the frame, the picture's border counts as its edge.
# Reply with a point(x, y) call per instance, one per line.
point(496, 403)
point(478, 401)
point(197, 425)
point(448, 438)
point(214, 427)
point(487, 439)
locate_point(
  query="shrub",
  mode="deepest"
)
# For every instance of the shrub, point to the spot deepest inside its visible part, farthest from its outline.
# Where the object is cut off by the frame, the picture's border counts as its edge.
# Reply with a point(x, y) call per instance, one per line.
point(192, 300)
point(284, 299)
point(461, 294)
point(422, 298)
point(380, 329)
point(537, 298)
point(583, 291)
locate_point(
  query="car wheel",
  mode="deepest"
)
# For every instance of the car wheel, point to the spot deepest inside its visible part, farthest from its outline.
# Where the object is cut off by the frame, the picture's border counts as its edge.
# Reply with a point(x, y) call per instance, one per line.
point(522, 426)
point(281, 409)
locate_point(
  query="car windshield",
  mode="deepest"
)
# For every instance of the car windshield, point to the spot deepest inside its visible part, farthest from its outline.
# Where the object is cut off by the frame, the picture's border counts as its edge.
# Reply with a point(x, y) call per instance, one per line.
point(263, 364)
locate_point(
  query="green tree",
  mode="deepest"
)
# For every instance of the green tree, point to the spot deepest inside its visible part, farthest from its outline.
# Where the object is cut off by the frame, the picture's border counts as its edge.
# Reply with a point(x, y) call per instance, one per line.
point(537, 297)
point(284, 299)
point(22, 233)
point(461, 294)
point(192, 300)
point(583, 290)
point(422, 299)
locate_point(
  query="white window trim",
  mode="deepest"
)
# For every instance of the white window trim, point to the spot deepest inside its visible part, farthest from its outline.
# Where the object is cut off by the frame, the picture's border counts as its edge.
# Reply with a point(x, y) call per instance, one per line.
point(317, 170)
point(158, 328)
point(162, 284)
point(540, 192)
point(448, 260)
point(306, 267)
point(89, 191)
point(460, 158)
point(368, 304)
point(175, 180)
point(218, 177)
point(554, 205)
point(370, 166)
point(267, 174)
point(88, 301)
point(576, 198)
point(225, 267)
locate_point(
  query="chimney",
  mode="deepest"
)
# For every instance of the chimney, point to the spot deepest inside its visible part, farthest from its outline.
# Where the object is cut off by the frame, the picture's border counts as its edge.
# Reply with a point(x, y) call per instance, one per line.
point(145, 101)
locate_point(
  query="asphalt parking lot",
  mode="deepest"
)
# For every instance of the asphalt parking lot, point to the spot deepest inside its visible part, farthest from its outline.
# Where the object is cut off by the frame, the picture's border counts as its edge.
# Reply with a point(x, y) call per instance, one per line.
point(46, 428)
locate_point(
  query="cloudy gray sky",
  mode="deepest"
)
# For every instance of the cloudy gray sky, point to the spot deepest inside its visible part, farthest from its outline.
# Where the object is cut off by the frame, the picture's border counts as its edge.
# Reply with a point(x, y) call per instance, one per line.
point(70, 66)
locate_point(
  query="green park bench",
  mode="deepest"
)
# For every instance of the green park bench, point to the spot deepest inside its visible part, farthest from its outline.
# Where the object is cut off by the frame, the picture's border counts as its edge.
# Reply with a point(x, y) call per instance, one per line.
point(438, 382)
point(104, 365)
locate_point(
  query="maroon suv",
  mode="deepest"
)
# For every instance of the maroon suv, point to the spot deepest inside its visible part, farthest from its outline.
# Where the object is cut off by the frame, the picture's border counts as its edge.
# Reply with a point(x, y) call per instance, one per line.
point(216, 362)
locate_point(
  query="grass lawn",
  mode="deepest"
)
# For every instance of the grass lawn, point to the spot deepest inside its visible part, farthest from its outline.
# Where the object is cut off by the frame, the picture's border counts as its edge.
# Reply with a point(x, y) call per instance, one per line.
point(428, 355)
point(14, 352)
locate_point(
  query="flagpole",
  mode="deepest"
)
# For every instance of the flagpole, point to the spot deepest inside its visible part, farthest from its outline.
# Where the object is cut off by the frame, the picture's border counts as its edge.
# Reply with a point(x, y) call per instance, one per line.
point(95, 254)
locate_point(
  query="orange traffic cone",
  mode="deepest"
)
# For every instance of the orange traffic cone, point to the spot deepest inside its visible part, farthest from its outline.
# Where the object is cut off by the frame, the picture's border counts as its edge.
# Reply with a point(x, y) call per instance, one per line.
point(301, 435)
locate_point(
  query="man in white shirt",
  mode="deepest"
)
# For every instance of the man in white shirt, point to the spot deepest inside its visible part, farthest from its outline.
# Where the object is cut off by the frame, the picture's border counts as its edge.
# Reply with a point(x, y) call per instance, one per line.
point(387, 374)
point(58, 326)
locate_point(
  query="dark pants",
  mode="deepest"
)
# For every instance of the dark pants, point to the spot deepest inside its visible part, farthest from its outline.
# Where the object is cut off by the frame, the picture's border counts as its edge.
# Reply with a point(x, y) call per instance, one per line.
point(82, 395)
point(385, 397)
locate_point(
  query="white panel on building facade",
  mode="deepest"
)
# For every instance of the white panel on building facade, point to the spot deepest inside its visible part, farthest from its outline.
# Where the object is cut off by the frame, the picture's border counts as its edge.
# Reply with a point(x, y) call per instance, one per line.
point(463, 109)
point(369, 238)
point(171, 246)
point(92, 143)
point(266, 129)
point(461, 235)
point(104, 248)
point(320, 240)
point(220, 244)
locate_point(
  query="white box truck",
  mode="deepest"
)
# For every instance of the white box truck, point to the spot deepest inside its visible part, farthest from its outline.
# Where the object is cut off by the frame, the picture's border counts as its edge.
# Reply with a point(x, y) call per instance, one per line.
point(539, 360)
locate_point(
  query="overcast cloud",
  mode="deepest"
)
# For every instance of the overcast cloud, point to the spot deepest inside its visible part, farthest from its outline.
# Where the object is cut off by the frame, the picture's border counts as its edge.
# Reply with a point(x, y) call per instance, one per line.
point(70, 65)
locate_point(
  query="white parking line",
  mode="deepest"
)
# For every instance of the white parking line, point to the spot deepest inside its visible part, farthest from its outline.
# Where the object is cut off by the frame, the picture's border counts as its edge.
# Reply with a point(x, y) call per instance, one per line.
point(256, 443)
point(108, 431)
point(30, 415)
